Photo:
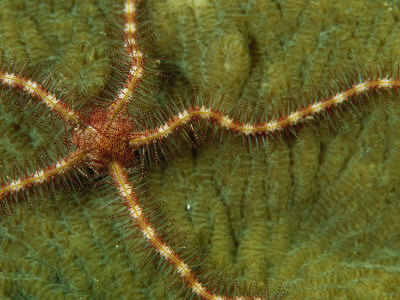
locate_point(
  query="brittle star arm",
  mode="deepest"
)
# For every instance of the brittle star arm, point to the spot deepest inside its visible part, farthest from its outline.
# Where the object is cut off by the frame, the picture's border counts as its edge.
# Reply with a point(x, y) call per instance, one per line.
point(136, 63)
point(293, 118)
point(42, 175)
point(38, 91)
point(138, 218)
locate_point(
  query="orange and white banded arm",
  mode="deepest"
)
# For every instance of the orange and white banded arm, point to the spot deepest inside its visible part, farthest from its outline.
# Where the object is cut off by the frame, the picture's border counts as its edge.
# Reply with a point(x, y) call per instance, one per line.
point(139, 219)
point(293, 118)
point(37, 91)
point(136, 64)
point(42, 175)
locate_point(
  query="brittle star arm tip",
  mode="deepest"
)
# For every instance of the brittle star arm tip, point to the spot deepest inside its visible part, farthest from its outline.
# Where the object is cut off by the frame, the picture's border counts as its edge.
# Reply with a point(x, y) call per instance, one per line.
point(48, 98)
point(42, 175)
point(136, 63)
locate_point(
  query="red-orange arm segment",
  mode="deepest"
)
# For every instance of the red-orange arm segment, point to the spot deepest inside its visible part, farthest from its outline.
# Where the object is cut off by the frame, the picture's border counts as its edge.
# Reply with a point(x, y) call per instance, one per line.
point(186, 116)
point(42, 175)
point(36, 90)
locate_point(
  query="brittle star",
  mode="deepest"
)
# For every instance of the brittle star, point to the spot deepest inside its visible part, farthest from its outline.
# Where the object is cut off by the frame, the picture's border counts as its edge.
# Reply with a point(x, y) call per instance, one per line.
point(107, 140)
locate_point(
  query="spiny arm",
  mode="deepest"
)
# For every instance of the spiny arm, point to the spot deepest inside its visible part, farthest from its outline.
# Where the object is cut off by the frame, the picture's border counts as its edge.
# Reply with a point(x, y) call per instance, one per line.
point(42, 175)
point(38, 91)
point(136, 64)
point(293, 118)
point(139, 219)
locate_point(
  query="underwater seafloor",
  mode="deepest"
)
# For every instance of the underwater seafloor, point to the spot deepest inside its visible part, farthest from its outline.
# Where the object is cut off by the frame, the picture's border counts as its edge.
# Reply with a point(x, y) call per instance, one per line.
point(318, 211)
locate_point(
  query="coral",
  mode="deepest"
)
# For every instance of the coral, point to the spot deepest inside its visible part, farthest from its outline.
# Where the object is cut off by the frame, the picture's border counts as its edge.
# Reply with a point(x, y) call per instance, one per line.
point(67, 249)
point(319, 211)
point(261, 50)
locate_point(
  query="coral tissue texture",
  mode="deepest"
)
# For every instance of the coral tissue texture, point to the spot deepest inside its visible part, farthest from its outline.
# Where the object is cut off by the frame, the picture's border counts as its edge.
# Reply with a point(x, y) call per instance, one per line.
point(319, 211)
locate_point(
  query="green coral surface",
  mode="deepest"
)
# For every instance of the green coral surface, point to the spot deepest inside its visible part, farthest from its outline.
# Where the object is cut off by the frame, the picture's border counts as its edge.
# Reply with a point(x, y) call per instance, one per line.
point(319, 212)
